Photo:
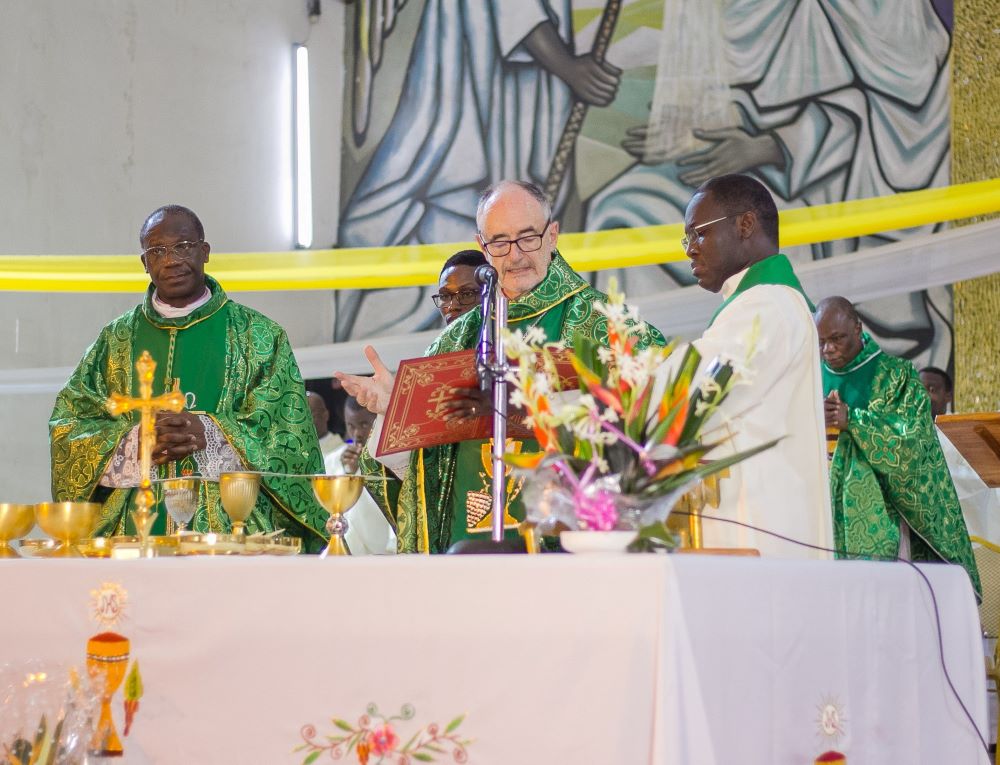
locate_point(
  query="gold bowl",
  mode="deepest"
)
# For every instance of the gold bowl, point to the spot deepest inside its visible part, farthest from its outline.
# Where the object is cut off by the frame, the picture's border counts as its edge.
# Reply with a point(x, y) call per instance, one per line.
point(69, 522)
point(238, 492)
point(337, 493)
point(15, 522)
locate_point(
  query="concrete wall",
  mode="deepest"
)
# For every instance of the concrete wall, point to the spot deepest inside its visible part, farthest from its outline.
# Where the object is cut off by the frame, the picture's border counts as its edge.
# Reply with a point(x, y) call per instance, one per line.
point(114, 107)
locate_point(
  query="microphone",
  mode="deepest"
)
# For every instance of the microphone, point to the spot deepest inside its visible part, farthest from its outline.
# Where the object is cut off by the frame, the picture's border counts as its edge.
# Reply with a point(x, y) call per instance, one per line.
point(486, 275)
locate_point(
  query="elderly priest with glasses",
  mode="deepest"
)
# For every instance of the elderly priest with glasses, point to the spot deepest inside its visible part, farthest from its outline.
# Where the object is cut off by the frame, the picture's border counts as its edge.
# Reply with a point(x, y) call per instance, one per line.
point(245, 402)
point(443, 496)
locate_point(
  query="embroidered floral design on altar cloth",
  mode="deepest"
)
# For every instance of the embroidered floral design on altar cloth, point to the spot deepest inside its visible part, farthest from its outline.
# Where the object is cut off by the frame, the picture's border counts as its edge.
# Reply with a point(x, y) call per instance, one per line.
point(107, 662)
point(377, 739)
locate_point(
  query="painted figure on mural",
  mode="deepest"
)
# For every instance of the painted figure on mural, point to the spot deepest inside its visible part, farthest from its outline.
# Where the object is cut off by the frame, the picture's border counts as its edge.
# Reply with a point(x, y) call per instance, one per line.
point(823, 100)
point(486, 96)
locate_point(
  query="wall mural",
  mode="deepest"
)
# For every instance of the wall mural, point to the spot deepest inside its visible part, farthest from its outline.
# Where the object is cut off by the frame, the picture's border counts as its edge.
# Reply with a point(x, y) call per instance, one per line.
point(823, 100)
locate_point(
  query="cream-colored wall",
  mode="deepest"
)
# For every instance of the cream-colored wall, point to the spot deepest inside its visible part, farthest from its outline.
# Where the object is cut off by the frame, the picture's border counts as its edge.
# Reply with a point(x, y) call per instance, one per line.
point(113, 108)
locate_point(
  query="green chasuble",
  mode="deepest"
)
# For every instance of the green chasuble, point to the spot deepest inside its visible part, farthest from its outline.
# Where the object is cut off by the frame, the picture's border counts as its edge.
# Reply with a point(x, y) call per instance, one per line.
point(446, 488)
point(888, 466)
point(233, 365)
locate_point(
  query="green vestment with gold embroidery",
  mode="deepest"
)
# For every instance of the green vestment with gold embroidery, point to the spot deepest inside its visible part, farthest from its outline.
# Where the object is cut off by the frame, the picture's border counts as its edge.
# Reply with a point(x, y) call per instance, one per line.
point(235, 366)
point(888, 466)
point(446, 489)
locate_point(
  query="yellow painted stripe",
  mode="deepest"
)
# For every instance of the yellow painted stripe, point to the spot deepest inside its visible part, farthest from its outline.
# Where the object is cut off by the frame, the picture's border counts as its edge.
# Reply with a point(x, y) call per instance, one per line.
point(381, 267)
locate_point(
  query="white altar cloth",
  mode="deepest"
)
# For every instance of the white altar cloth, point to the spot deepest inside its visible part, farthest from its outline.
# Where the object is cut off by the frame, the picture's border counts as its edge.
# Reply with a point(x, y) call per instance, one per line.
point(552, 658)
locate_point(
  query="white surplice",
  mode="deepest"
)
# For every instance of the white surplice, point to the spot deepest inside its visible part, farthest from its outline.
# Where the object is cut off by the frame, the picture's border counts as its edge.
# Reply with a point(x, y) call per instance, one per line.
point(784, 490)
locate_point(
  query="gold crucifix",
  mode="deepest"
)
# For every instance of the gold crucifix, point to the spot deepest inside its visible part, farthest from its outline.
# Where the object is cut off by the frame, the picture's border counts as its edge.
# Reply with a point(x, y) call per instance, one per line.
point(148, 406)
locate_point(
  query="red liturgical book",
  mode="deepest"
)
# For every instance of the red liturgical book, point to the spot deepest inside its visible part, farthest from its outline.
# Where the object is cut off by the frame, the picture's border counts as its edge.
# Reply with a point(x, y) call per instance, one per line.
point(415, 416)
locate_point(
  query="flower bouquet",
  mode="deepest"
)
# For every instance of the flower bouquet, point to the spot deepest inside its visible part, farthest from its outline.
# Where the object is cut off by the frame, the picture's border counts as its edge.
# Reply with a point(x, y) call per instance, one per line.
point(620, 452)
point(48, 714)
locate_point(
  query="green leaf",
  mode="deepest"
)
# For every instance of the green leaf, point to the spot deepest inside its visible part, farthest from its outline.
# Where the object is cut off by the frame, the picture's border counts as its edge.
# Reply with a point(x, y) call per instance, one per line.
point(660, 431)
point(710, 468)
point(689, 365)
point(133, 683)
point(565, 440)
point(722, 374)
point(454, 724)
point(584, 450)
point(343, 725)
point(312, 757)
point(638, 413)
point(423, 757)
point(653, 537)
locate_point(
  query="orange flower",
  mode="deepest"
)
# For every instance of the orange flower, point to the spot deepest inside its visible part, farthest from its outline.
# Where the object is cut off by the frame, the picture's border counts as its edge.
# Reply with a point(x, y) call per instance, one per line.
point(528, 461)
point(593, 383)
point(677, 426)
point(543, 435)
point(363, 750)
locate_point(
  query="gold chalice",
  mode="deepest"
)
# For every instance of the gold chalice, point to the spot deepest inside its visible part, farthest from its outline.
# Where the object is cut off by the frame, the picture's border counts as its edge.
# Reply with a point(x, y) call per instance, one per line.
point(238, 492)
point(107, 660)
point(337, 494)
point(69, 522)
point(15, 522)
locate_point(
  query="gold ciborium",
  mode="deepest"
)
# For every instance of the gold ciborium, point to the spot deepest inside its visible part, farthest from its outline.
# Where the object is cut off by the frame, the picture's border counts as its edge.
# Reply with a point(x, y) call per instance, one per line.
point(238, 492)
point(107, 660)
point(69, 522)
point(337, 494)
point(15, 522)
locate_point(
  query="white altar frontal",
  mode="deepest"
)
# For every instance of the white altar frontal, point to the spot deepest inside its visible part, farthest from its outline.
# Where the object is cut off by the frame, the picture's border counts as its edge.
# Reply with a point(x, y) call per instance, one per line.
point(686, 660)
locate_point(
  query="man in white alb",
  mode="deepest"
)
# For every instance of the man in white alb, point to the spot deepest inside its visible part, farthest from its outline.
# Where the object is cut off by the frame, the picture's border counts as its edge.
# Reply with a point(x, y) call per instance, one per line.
point(764, 325)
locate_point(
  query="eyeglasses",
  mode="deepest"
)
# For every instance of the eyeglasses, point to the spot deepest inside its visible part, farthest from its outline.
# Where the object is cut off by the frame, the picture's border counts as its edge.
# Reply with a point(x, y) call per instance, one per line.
point(530, 243)
point(696, 231)
point(462, 297)
point(181, 251)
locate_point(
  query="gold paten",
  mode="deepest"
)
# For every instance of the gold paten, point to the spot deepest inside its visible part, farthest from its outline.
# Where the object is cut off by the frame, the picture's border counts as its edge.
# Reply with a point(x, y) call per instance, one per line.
point(171, 545)
point(233, 544)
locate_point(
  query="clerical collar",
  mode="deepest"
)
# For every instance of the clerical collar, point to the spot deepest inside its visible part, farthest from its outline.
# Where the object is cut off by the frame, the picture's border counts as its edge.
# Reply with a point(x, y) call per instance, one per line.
point(174, 312)
point(729, 286)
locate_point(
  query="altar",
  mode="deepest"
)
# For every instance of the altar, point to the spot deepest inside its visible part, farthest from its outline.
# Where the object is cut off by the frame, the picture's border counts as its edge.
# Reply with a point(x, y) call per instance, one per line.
point(519, 659)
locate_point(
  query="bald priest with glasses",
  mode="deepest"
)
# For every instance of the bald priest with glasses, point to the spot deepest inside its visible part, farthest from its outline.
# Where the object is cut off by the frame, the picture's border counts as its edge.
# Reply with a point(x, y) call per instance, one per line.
point(443, 495)
point(245, 403)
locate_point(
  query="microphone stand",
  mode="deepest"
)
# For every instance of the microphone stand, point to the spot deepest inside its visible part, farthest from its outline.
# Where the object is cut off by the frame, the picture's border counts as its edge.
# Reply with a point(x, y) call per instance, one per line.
point(491, 364)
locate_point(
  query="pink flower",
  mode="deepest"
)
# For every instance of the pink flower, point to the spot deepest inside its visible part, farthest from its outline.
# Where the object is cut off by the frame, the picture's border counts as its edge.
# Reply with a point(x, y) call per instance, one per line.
point(383, 740)
point(597, 511)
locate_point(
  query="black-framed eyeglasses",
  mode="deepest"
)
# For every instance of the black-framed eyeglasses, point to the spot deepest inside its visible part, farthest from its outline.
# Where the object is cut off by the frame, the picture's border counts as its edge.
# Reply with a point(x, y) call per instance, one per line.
point(529, 243)
point(696, 234)
point(462, 297)
point(181, 251)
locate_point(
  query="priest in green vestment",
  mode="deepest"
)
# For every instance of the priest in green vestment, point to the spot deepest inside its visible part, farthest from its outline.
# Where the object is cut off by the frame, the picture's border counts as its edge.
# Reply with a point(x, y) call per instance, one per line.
point(891, 489)
point(443, 493)
point(245, 400)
